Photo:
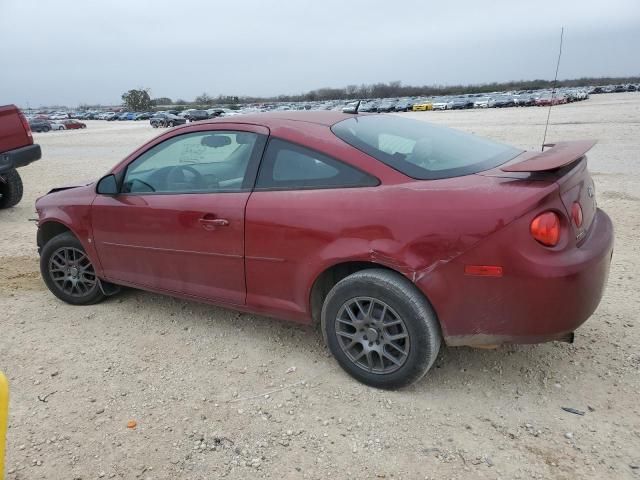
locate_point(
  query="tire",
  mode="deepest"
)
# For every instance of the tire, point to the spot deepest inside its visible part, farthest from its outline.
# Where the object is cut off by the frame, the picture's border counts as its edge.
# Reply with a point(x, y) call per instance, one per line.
point(69, 276)
point(154, 125)
point(11, 189)
point(171, 124)
point(397, 303)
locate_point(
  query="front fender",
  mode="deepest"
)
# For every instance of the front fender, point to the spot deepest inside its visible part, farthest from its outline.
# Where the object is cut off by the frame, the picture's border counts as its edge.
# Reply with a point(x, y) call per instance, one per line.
point(70, 209)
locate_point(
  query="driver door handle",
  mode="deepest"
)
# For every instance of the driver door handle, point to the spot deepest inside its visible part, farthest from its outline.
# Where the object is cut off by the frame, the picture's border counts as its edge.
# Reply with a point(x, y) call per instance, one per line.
point(209, 222)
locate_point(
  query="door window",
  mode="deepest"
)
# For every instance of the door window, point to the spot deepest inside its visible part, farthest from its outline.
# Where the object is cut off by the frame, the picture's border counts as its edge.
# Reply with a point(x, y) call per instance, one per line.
point(289, 166)
point(198, 162)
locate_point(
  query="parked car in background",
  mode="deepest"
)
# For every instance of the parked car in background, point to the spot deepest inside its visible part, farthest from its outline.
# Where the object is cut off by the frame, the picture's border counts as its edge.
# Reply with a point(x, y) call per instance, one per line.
point(73, 124)
point(57, 125)
point(422, 106)
point(39, 125)
point(461, 104)
point(484, 102)
point(368, 107)
point(549, 99)
point(442, 105)
point(196, 115)
point(143, 116)
point(166, 120)
point(386, 106)
point(215, 112)
point(524, 100)
point(402, 106)
point(502, 101)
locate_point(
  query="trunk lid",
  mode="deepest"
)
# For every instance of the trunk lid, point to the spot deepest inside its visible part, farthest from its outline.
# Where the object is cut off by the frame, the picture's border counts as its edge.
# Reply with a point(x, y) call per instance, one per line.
point(576, 186)
point(566, 164)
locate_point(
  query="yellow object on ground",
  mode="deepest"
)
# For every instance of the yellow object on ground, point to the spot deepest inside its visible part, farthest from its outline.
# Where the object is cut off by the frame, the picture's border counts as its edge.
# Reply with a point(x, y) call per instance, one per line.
point(4, 414)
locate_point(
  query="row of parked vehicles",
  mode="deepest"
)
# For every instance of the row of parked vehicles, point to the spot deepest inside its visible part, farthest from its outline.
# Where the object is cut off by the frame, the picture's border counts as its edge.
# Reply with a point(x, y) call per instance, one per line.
point(45, 125)
point(172, 117)
point(496, 100)
point(191, 114)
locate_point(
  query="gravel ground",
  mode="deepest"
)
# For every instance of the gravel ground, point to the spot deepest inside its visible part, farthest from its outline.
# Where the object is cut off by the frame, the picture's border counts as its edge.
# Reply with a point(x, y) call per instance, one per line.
point(216, 393)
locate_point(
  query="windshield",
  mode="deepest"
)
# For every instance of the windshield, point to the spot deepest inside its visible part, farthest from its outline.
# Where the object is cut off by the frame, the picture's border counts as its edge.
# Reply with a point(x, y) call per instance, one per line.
point(421, 150)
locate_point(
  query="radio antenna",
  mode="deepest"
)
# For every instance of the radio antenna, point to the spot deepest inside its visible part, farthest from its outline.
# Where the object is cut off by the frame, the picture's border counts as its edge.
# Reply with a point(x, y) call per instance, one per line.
point(553, 90)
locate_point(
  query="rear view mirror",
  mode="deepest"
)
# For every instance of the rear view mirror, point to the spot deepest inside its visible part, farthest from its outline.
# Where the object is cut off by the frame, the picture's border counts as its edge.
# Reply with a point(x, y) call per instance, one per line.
point(107, 185)
point(215, 141)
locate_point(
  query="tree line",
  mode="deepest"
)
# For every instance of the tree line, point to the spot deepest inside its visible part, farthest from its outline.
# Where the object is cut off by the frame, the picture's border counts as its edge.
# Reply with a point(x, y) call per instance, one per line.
point(139, 99)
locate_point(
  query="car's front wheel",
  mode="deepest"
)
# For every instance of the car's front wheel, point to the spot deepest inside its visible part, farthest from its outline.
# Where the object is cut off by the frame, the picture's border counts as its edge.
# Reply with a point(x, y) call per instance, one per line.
point(380, 328)
point(68, 272)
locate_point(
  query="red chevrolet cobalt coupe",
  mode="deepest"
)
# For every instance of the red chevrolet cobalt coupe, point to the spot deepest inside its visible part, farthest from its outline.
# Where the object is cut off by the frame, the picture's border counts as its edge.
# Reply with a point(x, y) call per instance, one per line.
point(391, 233)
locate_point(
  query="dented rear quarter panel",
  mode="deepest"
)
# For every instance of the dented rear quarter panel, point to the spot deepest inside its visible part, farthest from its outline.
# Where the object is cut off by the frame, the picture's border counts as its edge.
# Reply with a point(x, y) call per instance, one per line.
point(414, 228)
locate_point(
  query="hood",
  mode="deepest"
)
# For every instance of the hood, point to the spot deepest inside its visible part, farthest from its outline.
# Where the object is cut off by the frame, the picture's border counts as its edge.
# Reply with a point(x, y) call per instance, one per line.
point(70, 186)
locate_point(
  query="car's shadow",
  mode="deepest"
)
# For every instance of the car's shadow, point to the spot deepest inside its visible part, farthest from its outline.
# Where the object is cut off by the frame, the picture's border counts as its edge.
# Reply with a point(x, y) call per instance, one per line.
point(516, 368)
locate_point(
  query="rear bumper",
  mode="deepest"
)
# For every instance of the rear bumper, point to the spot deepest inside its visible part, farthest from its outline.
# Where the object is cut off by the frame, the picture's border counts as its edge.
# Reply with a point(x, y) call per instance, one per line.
point(19, 157)
point(541, 297)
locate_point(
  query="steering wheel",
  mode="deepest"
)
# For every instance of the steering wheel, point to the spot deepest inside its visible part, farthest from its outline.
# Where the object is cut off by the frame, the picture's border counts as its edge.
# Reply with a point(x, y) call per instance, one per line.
point(177, 177)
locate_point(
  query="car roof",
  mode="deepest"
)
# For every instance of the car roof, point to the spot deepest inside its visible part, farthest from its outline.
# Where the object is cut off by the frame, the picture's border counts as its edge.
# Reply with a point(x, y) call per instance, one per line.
point(274, 119)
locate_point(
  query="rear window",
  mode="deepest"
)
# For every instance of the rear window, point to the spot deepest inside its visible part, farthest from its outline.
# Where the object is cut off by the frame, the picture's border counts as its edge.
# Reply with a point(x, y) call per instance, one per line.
point(421, 150)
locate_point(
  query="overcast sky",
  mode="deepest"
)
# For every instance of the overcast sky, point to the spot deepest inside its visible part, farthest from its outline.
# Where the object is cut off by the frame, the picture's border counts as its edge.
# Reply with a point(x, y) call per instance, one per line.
point(85, 51)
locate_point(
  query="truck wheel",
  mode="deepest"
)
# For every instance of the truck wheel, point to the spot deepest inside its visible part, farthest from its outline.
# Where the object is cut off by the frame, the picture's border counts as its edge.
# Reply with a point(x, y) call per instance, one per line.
point(380, 328)
point(10, 189)
point(68, 272)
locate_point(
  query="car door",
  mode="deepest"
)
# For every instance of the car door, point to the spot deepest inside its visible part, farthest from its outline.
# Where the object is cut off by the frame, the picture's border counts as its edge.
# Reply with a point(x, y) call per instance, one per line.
point(303, 205)
point(177, 223)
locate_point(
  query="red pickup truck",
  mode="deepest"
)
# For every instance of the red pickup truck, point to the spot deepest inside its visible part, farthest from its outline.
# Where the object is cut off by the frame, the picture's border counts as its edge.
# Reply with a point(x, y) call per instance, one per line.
point(16, 150)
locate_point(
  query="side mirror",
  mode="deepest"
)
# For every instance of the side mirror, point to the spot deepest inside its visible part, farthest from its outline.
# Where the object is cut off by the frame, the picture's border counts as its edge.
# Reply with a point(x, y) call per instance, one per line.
point(107, 185)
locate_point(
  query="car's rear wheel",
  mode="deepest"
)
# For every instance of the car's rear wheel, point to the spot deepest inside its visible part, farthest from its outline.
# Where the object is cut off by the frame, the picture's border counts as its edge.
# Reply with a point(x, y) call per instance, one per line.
point(380, 328)
point(10, 189)
point(45, 129)
point(68, 272)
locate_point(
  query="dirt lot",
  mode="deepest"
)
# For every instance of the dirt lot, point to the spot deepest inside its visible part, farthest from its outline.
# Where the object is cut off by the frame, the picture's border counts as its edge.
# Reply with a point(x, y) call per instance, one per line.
point(196, 379)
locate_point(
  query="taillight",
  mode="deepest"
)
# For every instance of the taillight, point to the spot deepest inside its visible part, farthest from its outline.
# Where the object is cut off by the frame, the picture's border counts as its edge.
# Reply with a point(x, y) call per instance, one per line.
point(26, 126)
point(545, 228)
point(576, 214)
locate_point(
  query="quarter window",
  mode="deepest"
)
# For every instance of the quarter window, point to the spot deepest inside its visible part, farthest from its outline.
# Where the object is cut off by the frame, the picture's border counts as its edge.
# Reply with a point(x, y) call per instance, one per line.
point(289, 166)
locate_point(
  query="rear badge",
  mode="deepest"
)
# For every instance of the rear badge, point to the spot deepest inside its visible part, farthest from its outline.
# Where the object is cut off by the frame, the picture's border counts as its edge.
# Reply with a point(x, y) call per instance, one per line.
point(590, 192)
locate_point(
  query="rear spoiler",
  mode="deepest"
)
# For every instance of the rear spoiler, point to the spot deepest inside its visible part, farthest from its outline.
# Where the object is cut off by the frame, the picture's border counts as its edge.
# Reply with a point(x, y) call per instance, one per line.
point(560, 155)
